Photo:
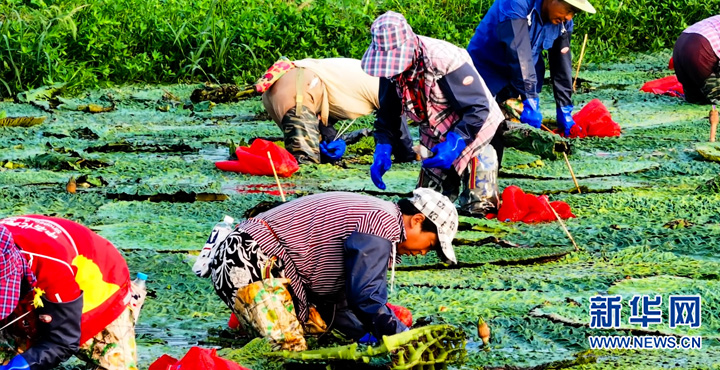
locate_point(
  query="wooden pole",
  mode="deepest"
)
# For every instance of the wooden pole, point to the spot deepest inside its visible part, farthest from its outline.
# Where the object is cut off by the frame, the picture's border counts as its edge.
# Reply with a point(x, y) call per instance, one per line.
point(567, 161)
point(277, 180)
point(571, 172)
point(713, 123)
point(563, 225)
point(582, 53)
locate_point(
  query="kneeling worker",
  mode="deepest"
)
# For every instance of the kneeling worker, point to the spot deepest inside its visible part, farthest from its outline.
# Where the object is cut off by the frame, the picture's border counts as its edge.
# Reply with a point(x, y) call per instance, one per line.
point(64, 290)
point(697, 61)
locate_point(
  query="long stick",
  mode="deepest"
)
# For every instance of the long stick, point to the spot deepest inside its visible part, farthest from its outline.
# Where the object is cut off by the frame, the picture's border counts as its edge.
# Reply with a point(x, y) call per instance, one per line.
point(582, 53)
point(277, 180)
point(571, 172)
point(12, 322)
point(563, 225)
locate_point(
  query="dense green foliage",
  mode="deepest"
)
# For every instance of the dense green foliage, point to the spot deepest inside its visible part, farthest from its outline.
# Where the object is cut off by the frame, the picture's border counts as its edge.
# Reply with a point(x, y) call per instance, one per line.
point(91, 43)
point(645, 231)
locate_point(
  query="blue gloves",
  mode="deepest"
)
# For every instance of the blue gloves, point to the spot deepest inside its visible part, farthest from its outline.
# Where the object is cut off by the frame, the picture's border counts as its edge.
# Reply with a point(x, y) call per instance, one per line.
point(446, 152)
point(381, 164)
point(531, 112)
point(334, 150)
point(368, 339)
point(564, 119)
point(17, 363)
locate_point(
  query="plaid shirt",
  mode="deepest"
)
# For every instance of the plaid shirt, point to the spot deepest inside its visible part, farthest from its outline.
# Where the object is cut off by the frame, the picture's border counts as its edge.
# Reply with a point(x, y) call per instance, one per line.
point(12, 271)
point(710, 29)
point(441, 58)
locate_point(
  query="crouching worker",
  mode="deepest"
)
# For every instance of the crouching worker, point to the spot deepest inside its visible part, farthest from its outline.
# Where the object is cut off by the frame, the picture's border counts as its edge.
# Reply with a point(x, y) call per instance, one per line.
point(64, 291)
point(435, 84)
point(335, 248)
point(306, 97)
point(697, 61)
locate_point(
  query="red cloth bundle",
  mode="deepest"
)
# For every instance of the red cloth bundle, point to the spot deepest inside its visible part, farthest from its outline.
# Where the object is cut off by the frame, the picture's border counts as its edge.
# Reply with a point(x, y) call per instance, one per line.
point(519, 206)
point(253, 160)
point(594, 120)
point(196, 359)
point(664, 86)
point(402, 313)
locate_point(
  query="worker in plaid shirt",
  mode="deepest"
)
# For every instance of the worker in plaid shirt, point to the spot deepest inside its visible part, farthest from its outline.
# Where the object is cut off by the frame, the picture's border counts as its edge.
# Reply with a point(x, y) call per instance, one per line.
point(433, 83)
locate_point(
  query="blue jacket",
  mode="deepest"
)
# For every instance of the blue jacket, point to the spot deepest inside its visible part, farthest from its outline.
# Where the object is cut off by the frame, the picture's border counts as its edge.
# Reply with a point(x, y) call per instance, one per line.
point(363, 309)
point(507, 47)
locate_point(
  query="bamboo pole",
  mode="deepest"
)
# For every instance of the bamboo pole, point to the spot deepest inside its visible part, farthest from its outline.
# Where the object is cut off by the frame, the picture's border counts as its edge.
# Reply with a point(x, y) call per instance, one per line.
point(582, 53)
point(571, 172)
point(567, 161)
point(277, 180)
point(713, 123)
point(567, 232)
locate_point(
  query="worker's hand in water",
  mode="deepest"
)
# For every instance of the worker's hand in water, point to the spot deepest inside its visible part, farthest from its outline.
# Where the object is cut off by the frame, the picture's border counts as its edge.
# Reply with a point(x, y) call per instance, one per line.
point(333, 150)
point(531, 112)
point(381, 164)
point(564, 119)
point(368, 339)
point(17, 362)
point(446, 152)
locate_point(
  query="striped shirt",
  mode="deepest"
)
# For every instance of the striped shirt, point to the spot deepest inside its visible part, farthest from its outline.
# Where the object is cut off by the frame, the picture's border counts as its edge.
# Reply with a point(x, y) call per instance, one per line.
point(710, 29)
point(311, 233)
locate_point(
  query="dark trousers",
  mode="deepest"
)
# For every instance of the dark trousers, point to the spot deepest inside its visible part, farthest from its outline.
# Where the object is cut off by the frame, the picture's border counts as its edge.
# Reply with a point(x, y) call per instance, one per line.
point(695, 61)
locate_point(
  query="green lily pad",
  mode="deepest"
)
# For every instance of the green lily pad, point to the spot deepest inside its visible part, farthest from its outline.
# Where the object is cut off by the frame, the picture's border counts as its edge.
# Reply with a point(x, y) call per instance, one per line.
point(595, 167)
point(709, 151)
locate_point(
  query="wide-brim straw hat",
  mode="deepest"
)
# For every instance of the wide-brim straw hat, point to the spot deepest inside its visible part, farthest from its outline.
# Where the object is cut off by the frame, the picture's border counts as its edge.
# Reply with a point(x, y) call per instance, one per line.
point(583, 5)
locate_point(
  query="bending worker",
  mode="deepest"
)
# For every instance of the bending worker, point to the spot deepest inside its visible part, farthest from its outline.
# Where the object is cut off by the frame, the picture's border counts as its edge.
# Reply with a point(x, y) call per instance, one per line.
point(507, 46)
point(64, 291)
point(307, 97)
point(335, 248)
point(697, 61)
point(435, 84)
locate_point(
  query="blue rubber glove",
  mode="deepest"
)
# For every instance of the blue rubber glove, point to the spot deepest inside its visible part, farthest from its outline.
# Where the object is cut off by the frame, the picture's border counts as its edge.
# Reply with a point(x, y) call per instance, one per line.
point(531, 112)
point(17, 363)
point(381, 164)
point(368, 339)
point(334, 150)
point(446, 152)
point(564, 119)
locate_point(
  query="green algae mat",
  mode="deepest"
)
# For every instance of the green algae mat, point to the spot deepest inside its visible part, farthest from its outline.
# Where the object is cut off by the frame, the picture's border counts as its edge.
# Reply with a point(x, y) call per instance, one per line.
point(648, 222)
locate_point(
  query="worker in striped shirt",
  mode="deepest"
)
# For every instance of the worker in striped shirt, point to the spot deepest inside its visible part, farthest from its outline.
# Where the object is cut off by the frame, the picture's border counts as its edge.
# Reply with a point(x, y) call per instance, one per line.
point(336, 248)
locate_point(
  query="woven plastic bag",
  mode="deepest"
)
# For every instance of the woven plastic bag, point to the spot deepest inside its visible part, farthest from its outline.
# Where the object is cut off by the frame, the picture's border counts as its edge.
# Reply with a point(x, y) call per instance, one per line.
point(266, 307)
point(483, 197)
